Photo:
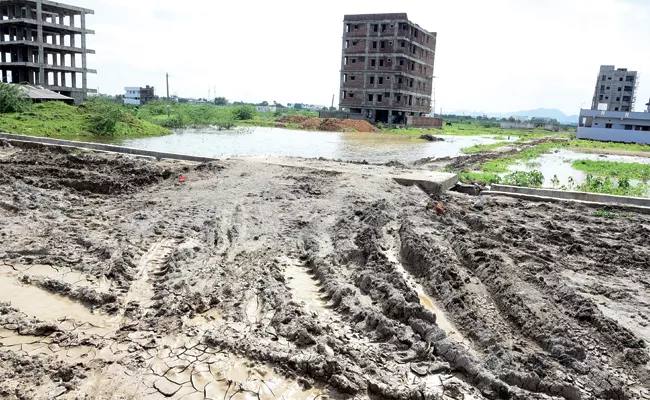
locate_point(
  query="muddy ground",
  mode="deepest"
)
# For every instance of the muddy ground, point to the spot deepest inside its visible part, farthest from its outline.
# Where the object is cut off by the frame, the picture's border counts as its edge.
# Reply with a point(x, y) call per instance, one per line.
point(252, 281)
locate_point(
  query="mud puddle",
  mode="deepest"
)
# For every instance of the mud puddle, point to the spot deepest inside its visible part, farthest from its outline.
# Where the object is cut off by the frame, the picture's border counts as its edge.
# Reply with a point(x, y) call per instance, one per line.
point(63, 274)
point(304, 288)
point(441, 319)
point(45, 306)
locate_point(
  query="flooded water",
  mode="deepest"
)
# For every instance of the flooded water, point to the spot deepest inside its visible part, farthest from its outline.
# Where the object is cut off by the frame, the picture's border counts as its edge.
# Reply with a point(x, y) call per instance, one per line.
point(255, 142)
point(558, 163)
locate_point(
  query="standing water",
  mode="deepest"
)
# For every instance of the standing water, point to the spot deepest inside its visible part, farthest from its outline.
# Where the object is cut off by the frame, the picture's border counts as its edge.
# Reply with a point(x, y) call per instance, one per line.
point(277, 142)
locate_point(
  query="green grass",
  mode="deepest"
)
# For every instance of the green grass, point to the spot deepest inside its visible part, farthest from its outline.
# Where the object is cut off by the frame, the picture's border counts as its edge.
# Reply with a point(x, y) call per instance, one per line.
point(606, 214)
point(614, 169)
point(482, 178)
point(480, 148)
point(608, 186)
point(185, 115)
point(592, 144)
point(55, 119)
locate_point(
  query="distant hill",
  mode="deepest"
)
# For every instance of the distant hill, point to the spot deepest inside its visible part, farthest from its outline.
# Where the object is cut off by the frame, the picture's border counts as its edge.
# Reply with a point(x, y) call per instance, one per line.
point(538, 113)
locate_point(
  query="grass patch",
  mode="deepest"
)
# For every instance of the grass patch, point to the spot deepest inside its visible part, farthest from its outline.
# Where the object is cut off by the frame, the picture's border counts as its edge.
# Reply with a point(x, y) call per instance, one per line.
point(614, 169)
point(481, 178)
point(481, 148)
point(56, 119)
point(606, 214)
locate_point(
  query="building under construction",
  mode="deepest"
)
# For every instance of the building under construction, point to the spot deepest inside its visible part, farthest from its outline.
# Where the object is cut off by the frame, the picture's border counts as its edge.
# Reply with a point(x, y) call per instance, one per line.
point(386, 67)
point(43, 43)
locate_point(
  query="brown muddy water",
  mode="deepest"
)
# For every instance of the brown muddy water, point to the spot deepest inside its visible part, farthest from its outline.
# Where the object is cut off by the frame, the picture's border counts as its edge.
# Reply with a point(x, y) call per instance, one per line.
point(256, 142)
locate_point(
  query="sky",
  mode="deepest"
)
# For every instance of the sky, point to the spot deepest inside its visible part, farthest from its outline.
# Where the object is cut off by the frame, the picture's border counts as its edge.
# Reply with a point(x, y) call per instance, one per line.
point(491, 56)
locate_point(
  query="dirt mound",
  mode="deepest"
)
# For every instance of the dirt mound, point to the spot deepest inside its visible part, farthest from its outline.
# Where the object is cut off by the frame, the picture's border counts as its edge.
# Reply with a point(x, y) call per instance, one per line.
point(83, 171)
point(328, 124)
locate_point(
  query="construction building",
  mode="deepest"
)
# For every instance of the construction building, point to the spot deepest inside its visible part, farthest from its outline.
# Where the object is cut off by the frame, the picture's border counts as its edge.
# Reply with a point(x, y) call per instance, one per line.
point(615, 89)
point(43, 43)
point(387, 67)
point(138, 95)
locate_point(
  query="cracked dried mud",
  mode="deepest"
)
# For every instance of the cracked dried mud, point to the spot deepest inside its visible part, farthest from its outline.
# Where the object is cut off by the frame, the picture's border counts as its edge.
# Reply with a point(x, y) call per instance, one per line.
point(259, 281)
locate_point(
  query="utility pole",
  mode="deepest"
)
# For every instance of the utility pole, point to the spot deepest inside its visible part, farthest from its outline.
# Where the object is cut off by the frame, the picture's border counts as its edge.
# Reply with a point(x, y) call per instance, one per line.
point(332, 101)
point(169, 110)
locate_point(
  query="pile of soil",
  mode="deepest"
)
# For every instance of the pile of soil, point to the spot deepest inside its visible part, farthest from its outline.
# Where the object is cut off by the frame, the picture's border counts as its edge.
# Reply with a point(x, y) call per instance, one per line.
point(328, 124)
point(266, 281)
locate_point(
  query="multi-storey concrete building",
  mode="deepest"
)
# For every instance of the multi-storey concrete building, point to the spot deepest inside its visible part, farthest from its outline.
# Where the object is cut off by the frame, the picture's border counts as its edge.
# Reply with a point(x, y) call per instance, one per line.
point(44, 43)
point(386, 67)
point(615, 89)
point(138, 95)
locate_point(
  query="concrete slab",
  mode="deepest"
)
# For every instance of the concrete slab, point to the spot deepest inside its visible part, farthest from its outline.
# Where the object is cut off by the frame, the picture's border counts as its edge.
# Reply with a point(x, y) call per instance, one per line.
point(590, 204)
point(432, 183)
point(573, 195)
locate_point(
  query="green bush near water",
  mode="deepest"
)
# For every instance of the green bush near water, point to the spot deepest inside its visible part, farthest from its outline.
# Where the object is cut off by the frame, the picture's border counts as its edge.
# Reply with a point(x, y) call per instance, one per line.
point(614, 169)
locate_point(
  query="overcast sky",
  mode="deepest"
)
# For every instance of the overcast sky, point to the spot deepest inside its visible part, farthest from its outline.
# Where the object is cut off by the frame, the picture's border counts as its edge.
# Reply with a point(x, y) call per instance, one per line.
point(492, 56)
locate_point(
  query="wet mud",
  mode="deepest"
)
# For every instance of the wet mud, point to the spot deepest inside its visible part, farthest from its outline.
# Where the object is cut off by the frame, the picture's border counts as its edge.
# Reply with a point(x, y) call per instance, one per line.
point(252, 281)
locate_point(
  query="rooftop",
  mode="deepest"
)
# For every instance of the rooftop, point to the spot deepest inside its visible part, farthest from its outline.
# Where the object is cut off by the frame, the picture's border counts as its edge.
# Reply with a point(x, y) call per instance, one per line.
point(40, 93)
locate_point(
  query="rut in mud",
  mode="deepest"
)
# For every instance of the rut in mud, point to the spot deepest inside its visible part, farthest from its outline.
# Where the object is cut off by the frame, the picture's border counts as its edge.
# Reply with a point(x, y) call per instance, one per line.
point(277, 282)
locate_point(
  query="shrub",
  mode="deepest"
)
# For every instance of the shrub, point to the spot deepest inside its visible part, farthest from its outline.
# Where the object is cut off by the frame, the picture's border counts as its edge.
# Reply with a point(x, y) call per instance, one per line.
point(103, 115)
point(244, 112)
point(525, 179)
point(12, 99)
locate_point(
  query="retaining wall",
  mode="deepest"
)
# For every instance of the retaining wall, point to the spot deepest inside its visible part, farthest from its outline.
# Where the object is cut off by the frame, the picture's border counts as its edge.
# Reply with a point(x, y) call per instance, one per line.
point(570, 195)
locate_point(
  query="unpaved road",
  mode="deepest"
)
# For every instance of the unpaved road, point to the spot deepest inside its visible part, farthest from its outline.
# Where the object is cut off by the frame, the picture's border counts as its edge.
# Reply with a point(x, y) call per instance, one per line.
point(256, 281)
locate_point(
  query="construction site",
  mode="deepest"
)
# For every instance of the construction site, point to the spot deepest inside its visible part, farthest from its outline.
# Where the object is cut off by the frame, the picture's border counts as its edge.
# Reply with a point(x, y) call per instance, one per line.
point(127, 277)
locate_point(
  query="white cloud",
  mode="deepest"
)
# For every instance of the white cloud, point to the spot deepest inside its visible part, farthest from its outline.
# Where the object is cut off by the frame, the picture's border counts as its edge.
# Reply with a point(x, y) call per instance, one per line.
point(501, 55)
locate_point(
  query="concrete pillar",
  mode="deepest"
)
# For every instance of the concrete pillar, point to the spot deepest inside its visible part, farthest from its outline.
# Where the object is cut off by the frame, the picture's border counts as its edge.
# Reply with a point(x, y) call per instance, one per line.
point(63, 79)
point(84, 75)
point(41, 52)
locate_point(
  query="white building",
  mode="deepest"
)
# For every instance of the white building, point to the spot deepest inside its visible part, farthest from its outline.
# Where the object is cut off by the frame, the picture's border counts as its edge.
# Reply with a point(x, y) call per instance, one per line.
point(132, 96)
point(265, 109)
point(614, 126)
point(138, 96)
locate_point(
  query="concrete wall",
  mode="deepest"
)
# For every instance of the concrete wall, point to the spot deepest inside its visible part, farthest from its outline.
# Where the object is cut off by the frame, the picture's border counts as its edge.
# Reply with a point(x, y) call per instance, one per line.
point(614, 135)
point(517, 125)
point(424, 122)
point(340, 115)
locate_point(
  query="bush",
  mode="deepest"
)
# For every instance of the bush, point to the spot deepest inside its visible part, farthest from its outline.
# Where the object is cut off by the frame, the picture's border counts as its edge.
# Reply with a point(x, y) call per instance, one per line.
point(244, 112)
point(525, 179)
point(12, 99)
point(103, 115)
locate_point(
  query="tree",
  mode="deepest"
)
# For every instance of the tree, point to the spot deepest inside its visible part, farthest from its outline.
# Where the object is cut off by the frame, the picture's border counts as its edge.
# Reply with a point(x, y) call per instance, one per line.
point(244, 113)
point(221, 101)
point(298, 106)
point(264, 104)
point(12, 99)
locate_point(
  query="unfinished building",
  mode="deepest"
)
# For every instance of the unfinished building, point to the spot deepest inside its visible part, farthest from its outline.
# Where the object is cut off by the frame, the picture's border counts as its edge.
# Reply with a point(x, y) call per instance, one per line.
point(44, 43)
point(387, 67)
point(615, 89)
